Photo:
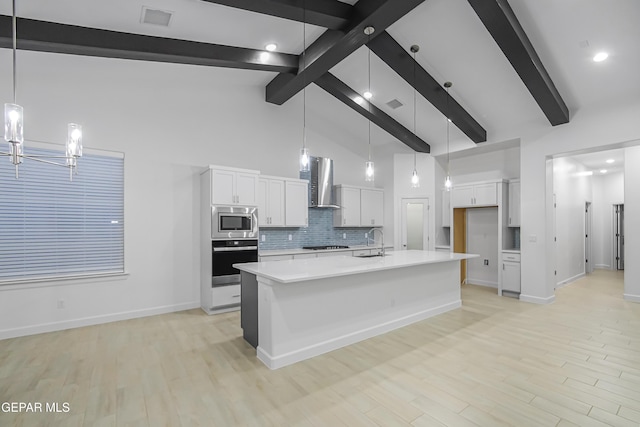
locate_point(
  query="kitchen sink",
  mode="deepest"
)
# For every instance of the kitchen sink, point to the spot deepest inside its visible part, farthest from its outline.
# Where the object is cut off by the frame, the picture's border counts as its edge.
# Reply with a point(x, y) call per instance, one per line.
point(371, 255)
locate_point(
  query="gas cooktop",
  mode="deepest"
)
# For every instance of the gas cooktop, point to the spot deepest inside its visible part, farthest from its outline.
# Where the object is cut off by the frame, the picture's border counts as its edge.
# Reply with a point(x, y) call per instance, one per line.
point(317, 248)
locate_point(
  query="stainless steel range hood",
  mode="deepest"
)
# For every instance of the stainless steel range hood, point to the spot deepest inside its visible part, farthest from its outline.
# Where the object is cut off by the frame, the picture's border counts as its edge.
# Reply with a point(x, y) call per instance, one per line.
point(321, 187)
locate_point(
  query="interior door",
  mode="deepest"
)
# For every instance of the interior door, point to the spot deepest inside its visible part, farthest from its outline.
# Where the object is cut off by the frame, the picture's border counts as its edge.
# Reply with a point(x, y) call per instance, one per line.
point(588, 262)
point(618, 235)
point(415, 224)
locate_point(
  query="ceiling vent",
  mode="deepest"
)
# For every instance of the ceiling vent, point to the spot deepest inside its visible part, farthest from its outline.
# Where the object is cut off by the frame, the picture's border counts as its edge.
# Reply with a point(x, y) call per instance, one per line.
point(394, 103)
point(155, 16)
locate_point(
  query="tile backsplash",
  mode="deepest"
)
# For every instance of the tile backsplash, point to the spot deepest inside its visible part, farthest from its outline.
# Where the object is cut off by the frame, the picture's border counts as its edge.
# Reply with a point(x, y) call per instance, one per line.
point(319, 232)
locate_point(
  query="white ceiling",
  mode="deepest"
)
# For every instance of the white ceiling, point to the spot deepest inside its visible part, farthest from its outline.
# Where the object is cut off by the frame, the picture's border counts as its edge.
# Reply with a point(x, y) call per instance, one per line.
point(454, 45)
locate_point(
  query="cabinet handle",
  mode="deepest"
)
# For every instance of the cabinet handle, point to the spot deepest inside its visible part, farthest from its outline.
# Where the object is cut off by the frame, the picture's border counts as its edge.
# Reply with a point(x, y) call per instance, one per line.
point(509, 221)
point(503, 265)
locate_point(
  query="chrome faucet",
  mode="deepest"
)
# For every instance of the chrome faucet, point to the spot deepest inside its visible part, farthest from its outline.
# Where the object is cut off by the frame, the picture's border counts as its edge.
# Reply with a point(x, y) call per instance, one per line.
point(372, 233)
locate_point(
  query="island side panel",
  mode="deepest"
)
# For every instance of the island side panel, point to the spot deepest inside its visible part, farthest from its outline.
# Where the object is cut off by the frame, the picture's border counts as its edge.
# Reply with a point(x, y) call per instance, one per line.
point(305, 319)
point(249, 308)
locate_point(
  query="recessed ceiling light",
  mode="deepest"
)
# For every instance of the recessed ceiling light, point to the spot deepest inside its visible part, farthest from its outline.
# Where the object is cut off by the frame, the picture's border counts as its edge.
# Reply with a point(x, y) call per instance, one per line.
point(603, 171)
point(600, 56)
point(271, 47)
point(367, 95)
point(610, 161)
point(358, 100)
point(155, 16)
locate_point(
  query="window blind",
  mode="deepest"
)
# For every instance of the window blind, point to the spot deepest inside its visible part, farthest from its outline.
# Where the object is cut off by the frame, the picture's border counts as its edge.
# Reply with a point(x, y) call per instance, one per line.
point(51, 227)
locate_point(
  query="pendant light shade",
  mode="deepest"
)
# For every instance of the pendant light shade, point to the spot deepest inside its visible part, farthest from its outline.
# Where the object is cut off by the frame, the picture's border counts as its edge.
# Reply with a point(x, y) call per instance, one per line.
point(369, 171)
point(304, 159)
point(415, 178)
point(13, 124)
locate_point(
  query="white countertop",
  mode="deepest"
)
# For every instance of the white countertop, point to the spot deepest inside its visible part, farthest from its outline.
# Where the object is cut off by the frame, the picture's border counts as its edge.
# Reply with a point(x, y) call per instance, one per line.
point(297, 251)
point(298, 270)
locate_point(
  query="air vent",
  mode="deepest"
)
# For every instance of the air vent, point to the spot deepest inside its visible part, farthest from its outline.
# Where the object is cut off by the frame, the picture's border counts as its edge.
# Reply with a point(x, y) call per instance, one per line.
point(155, 16)
point(394, 103)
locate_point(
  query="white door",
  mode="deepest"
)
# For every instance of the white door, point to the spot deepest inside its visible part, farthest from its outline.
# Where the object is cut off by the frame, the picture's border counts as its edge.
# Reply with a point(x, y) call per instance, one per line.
point(588, 262)
point(415, 224)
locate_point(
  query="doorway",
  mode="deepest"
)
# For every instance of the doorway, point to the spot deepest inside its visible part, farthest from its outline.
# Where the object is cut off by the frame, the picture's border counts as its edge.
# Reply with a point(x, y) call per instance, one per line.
point(618, 236)
point(588, 225)
point(415, 224)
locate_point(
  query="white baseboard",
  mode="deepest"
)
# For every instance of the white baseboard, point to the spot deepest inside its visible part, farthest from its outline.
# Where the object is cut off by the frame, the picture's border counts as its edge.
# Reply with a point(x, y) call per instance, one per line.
point(632, 298)
point(487, 283)
point(94, 320)
point(603, 267)
point(537, 300)
point(569, 280)
point(351, 338)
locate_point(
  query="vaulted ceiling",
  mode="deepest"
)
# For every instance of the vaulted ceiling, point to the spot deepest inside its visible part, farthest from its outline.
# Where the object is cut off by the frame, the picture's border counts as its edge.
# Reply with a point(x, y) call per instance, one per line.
point(513, 64)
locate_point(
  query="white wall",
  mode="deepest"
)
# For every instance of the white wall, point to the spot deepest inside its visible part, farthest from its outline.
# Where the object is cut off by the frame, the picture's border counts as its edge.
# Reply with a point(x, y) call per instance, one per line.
point(572, 190)
point(608, 190)
point(632, 224)
point(604, 128)
point(482, 239)
point(502, 164)
point(170, 121)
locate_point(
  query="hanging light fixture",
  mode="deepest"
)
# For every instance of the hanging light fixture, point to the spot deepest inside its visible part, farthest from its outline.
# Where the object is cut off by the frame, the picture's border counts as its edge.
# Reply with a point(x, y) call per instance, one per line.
point(14, 125)
point(415, 178)
point(305, 158)
point(447, 180)
point(369, 171)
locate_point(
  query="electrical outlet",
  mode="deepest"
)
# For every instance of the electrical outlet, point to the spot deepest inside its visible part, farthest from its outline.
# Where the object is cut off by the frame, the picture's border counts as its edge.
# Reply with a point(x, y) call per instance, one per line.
point(290, 237)
point(264, 237)
point(344, 235)
point(60, 303)
point(366, 235)
point(486, 262)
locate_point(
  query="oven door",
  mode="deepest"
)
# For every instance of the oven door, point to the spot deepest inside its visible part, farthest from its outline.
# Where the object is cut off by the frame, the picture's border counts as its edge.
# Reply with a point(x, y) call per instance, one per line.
point(224, 257)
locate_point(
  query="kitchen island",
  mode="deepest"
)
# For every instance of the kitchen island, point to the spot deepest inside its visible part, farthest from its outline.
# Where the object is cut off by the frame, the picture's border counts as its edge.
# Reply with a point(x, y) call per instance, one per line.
point(296, 309)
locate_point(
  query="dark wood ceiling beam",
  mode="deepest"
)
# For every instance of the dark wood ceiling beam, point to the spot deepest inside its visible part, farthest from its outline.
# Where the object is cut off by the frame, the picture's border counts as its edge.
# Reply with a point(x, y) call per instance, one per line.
point(344, 93)
point(400, 61)
point(499, 19)
point(330, 14)
point(333, 46)
point(46, 36)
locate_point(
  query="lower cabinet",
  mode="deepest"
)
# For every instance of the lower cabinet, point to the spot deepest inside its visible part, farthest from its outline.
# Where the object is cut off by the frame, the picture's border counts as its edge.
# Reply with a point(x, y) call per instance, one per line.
point(225, 296)
point(511, 272)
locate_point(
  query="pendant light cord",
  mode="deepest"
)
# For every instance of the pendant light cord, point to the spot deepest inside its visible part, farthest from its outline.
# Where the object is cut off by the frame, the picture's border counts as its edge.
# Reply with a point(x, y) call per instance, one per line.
point(15, 37)
point(414, 106)
point(304, 76)
point(369, 89)
point(448, 123)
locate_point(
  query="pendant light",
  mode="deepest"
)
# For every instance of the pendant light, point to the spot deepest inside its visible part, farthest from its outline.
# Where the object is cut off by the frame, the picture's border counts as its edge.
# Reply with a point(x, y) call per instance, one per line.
point(14, 125)
point(447, 180)
point(369, 171)
point(305, 158)
point(415, 178)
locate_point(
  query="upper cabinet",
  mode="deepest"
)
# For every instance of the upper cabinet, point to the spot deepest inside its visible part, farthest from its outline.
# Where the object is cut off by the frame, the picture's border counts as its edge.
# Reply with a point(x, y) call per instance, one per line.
point(485, 194)
point(282, 202)
point(230, 186)
point(514, 203)
point(359, 207)
point(270, 202)
point(296, 203)
point(371, 207)
point(348, 198)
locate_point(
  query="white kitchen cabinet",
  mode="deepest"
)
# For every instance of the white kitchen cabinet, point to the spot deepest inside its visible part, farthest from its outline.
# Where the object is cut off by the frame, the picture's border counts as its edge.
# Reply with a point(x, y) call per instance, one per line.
point(371, 207)
point(271, 196)
point(230, 186)
point(511, 272)
point(348, 198)
point(446, 208)
point(224, 296)
point(474, 195)
point(296, 203)
point(514, 203)
point(361, 252)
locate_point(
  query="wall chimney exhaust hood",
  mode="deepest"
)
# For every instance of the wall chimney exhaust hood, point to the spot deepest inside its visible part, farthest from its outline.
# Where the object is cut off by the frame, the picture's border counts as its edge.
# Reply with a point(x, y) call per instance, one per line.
point(321, 187)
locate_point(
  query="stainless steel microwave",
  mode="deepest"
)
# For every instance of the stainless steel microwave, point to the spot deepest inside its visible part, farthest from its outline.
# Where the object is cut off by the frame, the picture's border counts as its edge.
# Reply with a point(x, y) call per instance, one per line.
point(234, 222)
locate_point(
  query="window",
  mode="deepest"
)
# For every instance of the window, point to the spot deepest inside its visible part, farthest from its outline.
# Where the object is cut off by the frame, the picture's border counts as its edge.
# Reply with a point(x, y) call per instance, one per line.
point(51, 227)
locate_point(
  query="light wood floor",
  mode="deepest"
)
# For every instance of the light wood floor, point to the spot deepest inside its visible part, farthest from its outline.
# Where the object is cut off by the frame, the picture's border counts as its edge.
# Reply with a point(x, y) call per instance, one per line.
point(495, 362)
